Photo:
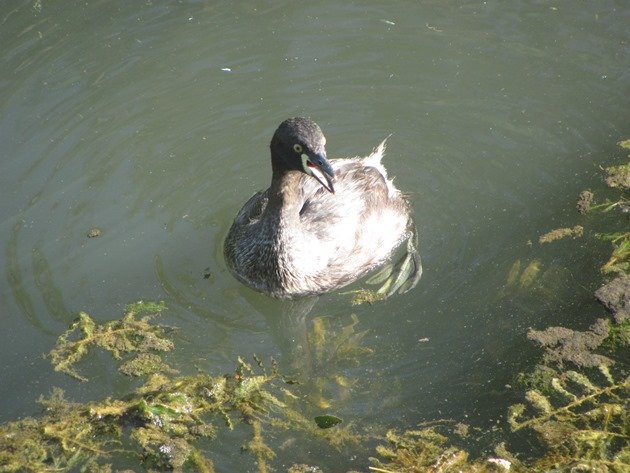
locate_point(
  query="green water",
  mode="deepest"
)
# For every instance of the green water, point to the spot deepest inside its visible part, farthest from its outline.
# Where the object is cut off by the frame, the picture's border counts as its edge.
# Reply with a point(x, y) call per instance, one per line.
point(151, 121)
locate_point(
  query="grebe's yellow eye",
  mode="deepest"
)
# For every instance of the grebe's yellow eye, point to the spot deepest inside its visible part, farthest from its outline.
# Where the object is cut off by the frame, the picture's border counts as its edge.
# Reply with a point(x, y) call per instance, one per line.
point(297, 148)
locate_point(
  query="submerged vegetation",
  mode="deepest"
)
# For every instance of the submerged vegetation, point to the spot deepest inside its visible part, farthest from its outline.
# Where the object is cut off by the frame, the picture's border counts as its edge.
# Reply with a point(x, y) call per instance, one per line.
point(573, 407)
point(157, 423)
point(164, 422)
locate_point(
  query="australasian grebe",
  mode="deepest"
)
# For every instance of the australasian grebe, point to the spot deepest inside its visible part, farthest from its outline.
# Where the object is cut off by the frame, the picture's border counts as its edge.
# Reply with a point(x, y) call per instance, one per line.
point(321, 224)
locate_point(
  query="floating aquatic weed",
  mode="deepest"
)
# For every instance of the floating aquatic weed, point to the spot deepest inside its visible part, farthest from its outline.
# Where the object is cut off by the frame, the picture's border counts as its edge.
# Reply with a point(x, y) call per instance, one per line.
point(161, 421)
point(303, 468)
point(615, 295)
point(64, 437)
point(588, 424)
point(131, 334)
point(608, 205)
point(164, 418)
point(365, 296)
point(427, 449)
point(565, 345)
point(618, 176)
point(559, 233)
point(144, 364)
point(585, 201)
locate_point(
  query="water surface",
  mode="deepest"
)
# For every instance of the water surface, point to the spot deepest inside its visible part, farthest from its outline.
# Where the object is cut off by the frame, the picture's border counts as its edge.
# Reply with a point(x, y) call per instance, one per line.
point(151, 121)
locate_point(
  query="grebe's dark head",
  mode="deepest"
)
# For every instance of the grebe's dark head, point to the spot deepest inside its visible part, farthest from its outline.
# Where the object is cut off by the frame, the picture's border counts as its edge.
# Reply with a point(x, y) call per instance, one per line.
point(299, 145)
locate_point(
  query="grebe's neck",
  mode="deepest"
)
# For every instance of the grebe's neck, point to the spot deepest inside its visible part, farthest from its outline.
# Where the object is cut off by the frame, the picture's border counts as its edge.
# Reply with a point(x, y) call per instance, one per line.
point(285, 198)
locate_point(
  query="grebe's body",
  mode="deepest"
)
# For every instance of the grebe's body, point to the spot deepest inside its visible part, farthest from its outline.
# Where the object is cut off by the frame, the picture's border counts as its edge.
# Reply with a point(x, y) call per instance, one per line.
point(321, 224)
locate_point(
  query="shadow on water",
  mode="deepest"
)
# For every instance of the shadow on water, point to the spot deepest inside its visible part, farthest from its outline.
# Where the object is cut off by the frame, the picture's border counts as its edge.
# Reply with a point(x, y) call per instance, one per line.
point(290, 329)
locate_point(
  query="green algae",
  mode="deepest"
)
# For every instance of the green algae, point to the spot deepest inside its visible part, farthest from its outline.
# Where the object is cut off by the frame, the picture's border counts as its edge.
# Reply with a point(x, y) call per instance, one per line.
point(618, 176)
point(427, 449)
point(161, 423)
point(64, 437)
point(131, 334)
point(144, 364)
point(586, 423)
point(619, 336)
point(366, 296)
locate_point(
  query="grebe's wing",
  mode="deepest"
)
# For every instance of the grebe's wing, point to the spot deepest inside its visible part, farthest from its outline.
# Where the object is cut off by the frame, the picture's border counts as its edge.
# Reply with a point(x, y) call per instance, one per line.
point(253, 209)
